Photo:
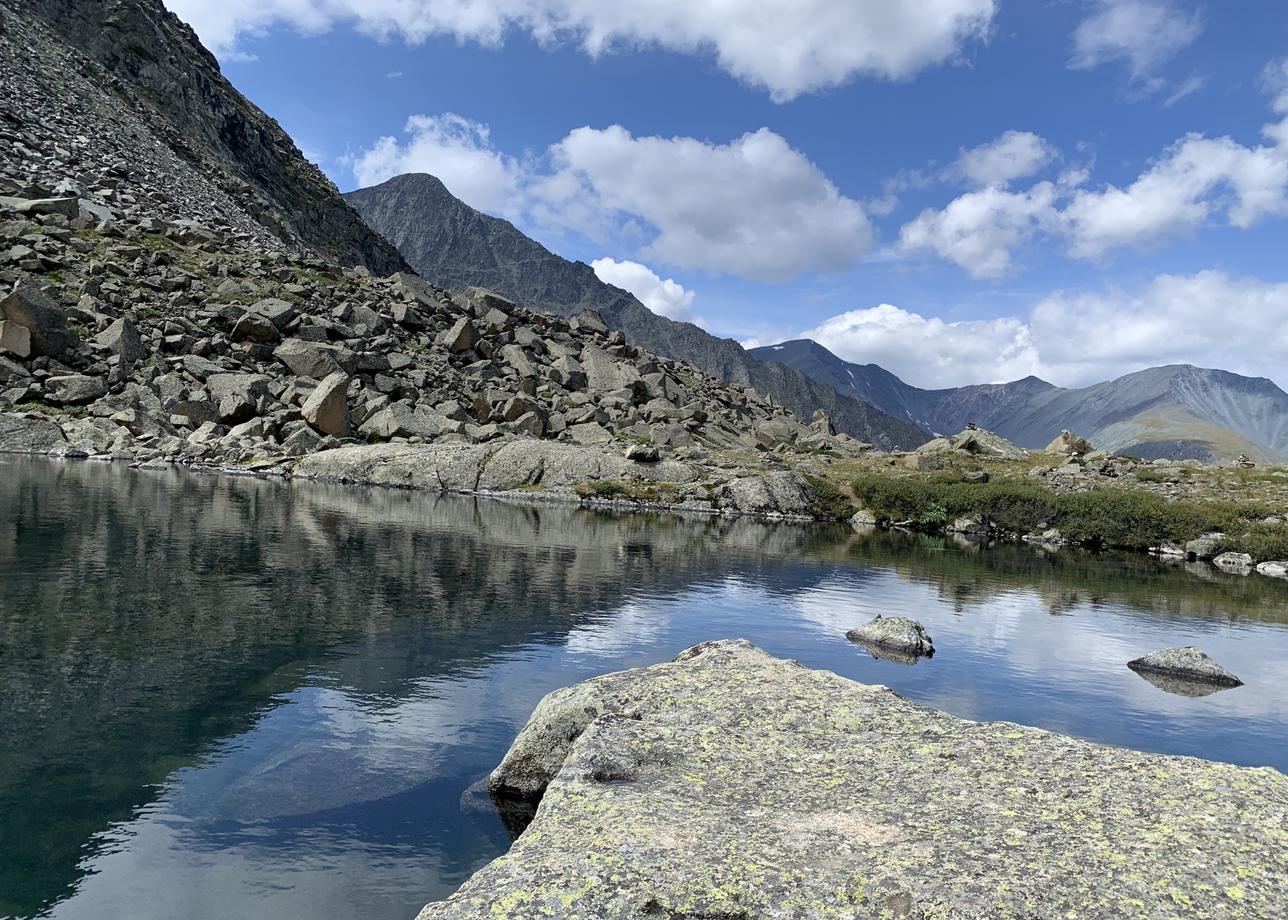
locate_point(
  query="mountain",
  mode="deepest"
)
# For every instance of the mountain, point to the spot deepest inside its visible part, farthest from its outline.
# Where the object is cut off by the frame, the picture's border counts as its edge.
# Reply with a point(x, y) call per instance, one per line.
point(453, 245)
point(1176, 411)
point(142, 59)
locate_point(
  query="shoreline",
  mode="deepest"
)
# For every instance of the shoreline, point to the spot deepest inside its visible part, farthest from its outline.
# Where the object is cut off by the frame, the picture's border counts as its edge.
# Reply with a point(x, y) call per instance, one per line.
point(568, 495)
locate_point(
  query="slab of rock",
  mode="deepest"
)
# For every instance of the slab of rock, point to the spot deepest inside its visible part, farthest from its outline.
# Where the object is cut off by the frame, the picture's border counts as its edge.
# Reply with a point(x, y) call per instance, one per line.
point(314, 359)
point(44, 320)
point(327, 408)
point(74, 389)
point(15, 339)
point(122, 338)
point(29, 434)
point(1187, 663)
point(903, 636)
point(730, 784)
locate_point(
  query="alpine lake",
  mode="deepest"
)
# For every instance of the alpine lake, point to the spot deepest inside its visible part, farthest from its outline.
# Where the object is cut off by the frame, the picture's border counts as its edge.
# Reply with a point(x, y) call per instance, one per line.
point(238, 697)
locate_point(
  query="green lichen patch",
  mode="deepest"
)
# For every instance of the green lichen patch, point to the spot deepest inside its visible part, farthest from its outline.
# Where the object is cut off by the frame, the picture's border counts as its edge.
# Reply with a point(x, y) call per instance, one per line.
point(729, 784)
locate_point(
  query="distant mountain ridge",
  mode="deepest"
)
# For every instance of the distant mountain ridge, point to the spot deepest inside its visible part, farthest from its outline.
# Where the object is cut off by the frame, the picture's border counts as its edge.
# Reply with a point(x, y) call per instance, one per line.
point(1174, 411)
point(453, 245)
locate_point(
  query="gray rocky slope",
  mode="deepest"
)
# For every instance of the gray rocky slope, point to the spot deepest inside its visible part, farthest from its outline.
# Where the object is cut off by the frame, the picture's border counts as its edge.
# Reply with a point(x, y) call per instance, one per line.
point(730, 784)
point(146, 314)
point(144, 96)
point(1173, 412)
point(452, 244)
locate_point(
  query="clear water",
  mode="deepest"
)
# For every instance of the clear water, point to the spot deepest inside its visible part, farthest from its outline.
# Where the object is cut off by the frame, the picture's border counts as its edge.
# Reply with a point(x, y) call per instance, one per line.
point(237, 698)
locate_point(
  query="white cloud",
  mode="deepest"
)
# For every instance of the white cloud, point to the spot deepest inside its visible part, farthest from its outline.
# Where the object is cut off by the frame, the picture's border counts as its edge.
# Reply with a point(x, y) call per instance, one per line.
point(664, 297)
point(754, 207)
point(1011, 156)
point(980, 229)
point(1144, 34)
point(1209, 319)
point(788, 47)
point(928, 351)
point(456, 150)
point(1198, 180)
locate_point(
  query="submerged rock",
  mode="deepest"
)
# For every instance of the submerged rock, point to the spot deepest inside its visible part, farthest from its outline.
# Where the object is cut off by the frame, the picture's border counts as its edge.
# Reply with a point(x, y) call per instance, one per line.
point(900, 635)
point(1187, 663)
point(730, 784)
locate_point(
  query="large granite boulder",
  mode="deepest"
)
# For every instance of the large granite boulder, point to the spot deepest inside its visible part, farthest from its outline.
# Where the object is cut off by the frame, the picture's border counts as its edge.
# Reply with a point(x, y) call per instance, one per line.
point(730, 784)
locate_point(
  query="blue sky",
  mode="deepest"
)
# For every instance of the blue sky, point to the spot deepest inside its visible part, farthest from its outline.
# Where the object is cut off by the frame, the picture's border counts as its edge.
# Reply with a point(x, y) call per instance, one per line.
point(960, 190)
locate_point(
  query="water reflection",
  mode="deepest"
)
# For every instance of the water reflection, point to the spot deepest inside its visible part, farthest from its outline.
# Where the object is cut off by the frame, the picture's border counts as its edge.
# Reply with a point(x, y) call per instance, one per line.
point(255, 699)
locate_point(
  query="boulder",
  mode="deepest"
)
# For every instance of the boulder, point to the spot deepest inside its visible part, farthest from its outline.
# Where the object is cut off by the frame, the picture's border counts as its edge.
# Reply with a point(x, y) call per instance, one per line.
point(589, 321)
point(74, 389)
point(315, 359)
point(236, 396)
point(122, 338)
point(1069, 443)
point(896, 634)
point(982, 443)
point(1238, 563)
point(15, 339)
point(462, 336)
point(1204, 547)
point(730, 784)
point(1273, 569)
point(252, 327)
point(327, 408)
point(29, 434)
point(1188, 663)
point(643, 453)
point(44, 320)
point(37, 207)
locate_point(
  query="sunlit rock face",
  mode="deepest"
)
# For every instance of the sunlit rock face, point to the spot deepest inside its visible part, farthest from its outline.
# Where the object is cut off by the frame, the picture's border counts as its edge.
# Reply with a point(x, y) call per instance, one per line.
point(729, 783)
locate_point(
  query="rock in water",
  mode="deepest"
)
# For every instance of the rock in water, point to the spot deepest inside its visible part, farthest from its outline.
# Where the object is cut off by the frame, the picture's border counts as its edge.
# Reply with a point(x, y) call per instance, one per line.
point(732, 784)
point(1185, 664)
point(901, 635)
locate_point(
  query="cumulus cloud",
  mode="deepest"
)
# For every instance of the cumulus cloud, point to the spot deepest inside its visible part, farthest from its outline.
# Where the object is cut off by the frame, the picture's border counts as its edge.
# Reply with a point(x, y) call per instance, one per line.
point(665, 297)
point(1011, 156)
point(787, 47)
point(1143, 34)
point(1210, 319)
point(979, 230)
point(927, 351)
point(456, 150)
point(1199, 177)
point(755, 207)
point(1196, 181)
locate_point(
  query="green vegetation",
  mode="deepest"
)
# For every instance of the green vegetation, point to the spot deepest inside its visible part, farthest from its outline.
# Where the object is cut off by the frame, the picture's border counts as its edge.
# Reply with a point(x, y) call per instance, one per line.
point(830, 503)
point(52, 411)
point(1118, 518)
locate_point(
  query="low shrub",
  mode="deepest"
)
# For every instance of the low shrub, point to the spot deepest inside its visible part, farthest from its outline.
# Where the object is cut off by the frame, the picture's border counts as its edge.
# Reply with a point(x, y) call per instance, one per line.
point(1119, 518)
point(829, 501)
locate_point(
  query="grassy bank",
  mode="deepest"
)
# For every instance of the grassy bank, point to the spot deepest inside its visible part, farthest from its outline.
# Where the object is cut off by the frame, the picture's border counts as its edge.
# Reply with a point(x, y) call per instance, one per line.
point(1118, 517)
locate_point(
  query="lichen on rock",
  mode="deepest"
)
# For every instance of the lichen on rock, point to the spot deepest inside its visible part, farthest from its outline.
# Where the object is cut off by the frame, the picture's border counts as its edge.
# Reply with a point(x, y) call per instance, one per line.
point(732, 784)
